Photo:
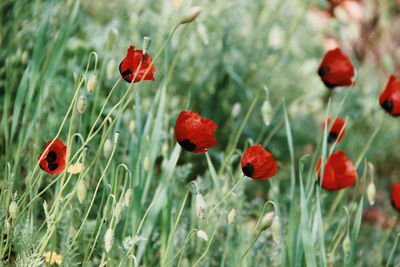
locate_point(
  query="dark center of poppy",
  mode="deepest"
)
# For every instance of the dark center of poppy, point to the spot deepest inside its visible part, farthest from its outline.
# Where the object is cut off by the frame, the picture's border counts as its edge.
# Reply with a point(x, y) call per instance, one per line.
point(323, 70)
point(126, 72)
point(387, 105)
point(248, 169)
point(332, 137)
point(52, 166)
point(329, 85)
point(51, 157)
point(187, 145)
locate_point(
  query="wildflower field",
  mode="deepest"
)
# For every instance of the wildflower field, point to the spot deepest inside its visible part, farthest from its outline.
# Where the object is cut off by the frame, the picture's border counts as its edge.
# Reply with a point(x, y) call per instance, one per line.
point(200, 133)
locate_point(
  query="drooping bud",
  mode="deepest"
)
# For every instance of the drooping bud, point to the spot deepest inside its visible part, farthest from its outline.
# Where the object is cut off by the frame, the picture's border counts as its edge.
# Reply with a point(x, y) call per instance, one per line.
point(110, 70)
point(232, 216)
point(371, 192)
point(266, 112)
point(13, 209)
point(267, 221)
point(128, 197)
point(191, 14)
point(202, 235)
point(346, 245)
point(108, 239)
point(82, 103)
point(107, 148)
point(117, 211)
point(81, 191)
point(236, 110)
point(132, 126)
point(200, 206)
point(146, 44)
point(92, 83)
point(276, 230)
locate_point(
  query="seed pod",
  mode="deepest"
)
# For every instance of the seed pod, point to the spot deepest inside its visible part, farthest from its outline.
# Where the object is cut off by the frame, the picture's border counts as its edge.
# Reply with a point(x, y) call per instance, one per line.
point(92, 83)
point(82, 103)
point(107, 148)
point(266, 112)
point(371, 192)
point(108, 239)
point(191, 15)
point(202, 235)
point(200, 206)
point(110, 70)
point(267, 220)
point(13, 209)
point(81, 191)
point(232, 216)
point(132, 126)
point(128, 197)
point(276, 230)
point(236, 110)
point(346, 245)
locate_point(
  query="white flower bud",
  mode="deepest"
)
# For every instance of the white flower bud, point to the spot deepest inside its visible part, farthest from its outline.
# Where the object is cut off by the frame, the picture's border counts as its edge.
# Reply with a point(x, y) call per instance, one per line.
point(146, 44)
point(232, 216)
point(236, 110)
point(81, 191)
point(82, 103)
point(200, 206)
point(13, 209)
point(267, 220)
point(266, 112)
point(132, 126)
point(202, 235)
point(116, 137)
point(111, 66)
point(128, 197)
point(276, 230)
point(191, 15)
point(108, 239)
point(107, 148)
point(92, 83)
point(117, 211)
point(371, 192)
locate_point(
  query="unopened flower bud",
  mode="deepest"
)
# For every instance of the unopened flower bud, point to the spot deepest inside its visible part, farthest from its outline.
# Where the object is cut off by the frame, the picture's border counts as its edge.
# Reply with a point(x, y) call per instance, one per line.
point(346, 245)
point(146, 44)
point(107, 148)
point(200, 206)
point(117, 211)
point(132, 126)
point(92, 83)
point(276, 230)
point(128, 197)
point(202, 235)
point(371, 192)
point(266, 112)
point(116, 137)
point(267, 220)
point(110, 70)
point(232, 216)
point(236, 110)
point(82, 103)
point(81, 191)
point(13, 209)
point(146, 163)
point(191, 15)
point(108, 239)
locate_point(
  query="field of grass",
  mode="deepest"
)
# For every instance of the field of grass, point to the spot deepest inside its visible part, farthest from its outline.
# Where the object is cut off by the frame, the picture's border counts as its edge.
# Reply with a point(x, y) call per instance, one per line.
point(251, 67)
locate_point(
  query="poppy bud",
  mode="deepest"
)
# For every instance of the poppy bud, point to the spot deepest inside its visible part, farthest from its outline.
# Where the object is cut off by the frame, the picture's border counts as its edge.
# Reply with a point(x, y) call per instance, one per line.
point(266, 112)
point(128, 197)
point(371, 192)
point(346, 245)
point(81, 191)
point(202, 235)
point(92, 83)
point(107, 148)
point(232, 216)
point(111, 66)
point(117, 211)
point(146, 163)
point(267, 220)
point(132, 126)
point(146, 44)
point(116, 137)
point(236, 110)
point(82, 103)
point(200, 206)
point(108, 239)
point(276, 230)
point(13, 209)
point(191, 15)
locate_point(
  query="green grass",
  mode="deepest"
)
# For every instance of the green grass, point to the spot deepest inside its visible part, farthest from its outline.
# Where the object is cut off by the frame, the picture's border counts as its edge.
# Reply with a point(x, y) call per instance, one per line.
point(228, 55)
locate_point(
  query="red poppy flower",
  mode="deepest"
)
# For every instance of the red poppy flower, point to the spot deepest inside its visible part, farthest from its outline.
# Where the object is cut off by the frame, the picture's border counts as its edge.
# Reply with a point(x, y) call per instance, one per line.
point(194, 133)
point(336, 69)
point(258, 163)
point(396, 196)
point(339, 172)
point(390, 97)
point(337, 130)
point(130, 64)
point(53, 161)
